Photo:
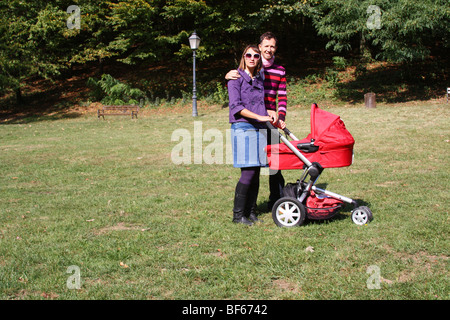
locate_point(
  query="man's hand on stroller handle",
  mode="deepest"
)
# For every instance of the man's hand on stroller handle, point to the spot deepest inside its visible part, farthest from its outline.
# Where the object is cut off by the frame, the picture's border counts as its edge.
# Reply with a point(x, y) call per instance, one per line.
point(271, 126)
point(275, 121)
point(281, 124)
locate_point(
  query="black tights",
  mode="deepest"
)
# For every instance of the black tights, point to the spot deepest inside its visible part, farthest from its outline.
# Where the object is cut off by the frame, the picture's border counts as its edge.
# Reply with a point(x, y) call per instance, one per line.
point(249, 175)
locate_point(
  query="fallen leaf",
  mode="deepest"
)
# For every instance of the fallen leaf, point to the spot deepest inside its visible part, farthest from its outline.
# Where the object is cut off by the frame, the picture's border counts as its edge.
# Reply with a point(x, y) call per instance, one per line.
point(309, 249)
point(23, 279)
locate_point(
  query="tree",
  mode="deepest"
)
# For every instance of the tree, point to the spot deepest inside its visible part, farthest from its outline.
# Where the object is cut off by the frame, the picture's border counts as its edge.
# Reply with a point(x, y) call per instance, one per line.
point(223, 26)
point(35, 39)
point(291, 21)
point(400, 30)
point(31, 42)
point(97, 39)
point(135, 24)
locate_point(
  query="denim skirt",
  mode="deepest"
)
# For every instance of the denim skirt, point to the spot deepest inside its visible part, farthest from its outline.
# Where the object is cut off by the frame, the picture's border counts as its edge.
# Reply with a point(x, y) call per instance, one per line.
point(248, 143)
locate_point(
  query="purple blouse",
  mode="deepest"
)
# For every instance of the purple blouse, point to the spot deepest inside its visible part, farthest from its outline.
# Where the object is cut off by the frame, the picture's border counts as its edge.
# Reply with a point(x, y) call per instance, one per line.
point(246, 93)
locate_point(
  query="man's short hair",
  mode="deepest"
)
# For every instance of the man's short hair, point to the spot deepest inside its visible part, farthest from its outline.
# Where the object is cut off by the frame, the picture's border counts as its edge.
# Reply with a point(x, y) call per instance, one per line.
point(268, 35)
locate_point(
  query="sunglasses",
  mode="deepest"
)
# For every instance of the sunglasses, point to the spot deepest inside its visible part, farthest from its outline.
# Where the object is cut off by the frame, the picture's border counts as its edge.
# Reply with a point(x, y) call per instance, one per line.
point(249, 55)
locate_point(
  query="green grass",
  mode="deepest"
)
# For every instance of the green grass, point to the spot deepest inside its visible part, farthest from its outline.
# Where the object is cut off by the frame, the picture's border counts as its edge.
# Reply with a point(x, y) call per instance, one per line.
point(105, 196)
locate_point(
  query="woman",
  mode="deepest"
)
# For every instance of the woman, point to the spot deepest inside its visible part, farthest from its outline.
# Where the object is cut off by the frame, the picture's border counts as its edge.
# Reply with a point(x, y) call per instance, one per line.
point(248, 132)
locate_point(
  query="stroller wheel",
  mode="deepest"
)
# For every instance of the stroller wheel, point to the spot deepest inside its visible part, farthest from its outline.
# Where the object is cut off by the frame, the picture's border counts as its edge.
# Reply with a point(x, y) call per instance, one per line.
point(361, 215)
point(288, 212)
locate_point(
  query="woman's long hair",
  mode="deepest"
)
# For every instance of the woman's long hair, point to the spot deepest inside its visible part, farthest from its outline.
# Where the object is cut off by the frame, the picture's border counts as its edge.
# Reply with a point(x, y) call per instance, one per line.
point(242, 64)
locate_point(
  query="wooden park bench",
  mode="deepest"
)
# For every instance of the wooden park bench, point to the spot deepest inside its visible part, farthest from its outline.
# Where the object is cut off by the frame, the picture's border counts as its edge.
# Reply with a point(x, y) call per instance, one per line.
point(126, 110)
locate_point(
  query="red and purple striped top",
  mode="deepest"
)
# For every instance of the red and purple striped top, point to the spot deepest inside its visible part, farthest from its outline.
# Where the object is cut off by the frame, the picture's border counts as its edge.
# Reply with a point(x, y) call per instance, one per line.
point(275, 84)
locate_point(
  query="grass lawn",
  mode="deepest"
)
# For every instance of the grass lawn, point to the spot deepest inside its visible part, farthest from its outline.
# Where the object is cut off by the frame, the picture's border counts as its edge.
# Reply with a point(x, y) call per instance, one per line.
point(105, 199)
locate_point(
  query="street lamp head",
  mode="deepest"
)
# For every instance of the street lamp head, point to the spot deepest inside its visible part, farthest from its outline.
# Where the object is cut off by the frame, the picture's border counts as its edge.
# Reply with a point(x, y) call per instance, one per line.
point(194, 41)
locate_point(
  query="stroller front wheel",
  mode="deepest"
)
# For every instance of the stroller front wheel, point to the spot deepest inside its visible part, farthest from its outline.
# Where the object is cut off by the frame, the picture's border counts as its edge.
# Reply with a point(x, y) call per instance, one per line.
point(288, 212)
point(361, 215)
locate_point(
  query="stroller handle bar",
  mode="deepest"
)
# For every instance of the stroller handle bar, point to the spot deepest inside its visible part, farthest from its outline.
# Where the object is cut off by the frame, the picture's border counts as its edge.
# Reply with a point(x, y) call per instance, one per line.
point(286, 130)
point(289, 144)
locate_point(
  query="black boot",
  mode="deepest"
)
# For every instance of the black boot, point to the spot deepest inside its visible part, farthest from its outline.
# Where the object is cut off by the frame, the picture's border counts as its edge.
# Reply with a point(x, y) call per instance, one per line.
point(250, 208)
point(240, 199)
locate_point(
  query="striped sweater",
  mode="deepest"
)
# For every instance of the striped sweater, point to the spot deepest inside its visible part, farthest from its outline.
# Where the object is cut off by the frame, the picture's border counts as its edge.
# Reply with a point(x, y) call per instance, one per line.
point(275, 84)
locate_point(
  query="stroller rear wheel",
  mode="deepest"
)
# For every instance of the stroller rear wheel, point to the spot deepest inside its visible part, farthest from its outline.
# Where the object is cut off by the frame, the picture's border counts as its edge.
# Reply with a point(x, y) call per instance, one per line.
point(361, 215)
point(288, 212)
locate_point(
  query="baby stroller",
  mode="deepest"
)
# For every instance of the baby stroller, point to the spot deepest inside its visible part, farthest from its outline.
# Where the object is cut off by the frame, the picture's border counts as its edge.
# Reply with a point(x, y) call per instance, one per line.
point(329, 145)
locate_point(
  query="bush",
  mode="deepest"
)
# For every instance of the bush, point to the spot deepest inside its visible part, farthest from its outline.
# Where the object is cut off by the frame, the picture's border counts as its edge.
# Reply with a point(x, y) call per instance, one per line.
point(340, 63)
point(109, 90)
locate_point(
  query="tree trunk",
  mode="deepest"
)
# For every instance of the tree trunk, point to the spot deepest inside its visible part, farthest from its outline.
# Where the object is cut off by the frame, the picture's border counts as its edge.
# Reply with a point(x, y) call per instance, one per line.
point(19, 98)
point(364, 50)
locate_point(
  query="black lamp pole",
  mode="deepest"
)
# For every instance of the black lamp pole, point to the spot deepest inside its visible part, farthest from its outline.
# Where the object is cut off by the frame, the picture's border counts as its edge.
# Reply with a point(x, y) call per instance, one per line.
point(194, 42)
point(194, 93)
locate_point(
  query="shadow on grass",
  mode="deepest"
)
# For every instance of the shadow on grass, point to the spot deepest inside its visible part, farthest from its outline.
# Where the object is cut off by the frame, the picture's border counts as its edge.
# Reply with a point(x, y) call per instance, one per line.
point(44, 100)
point(395, 83)
point(30, 115)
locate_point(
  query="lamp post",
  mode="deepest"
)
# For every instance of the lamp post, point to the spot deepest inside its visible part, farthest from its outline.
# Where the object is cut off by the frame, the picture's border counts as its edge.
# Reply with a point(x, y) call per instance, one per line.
point(194, 42)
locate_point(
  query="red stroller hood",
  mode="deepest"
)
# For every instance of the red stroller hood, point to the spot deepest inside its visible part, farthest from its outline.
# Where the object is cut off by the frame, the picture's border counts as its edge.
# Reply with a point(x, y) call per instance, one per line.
point(321, 120)
point(331, 136)
point(329, 130)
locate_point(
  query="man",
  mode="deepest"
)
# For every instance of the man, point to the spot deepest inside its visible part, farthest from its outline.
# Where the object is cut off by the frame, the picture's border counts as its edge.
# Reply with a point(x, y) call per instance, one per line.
point(274, 86)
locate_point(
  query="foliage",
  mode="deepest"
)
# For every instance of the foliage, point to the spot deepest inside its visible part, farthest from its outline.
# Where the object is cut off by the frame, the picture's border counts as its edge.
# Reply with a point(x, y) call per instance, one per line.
point(36, 41)
point(340, 63)
point(111, 91)
point(32, 42)
point(401, 30)
point(219, 94)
